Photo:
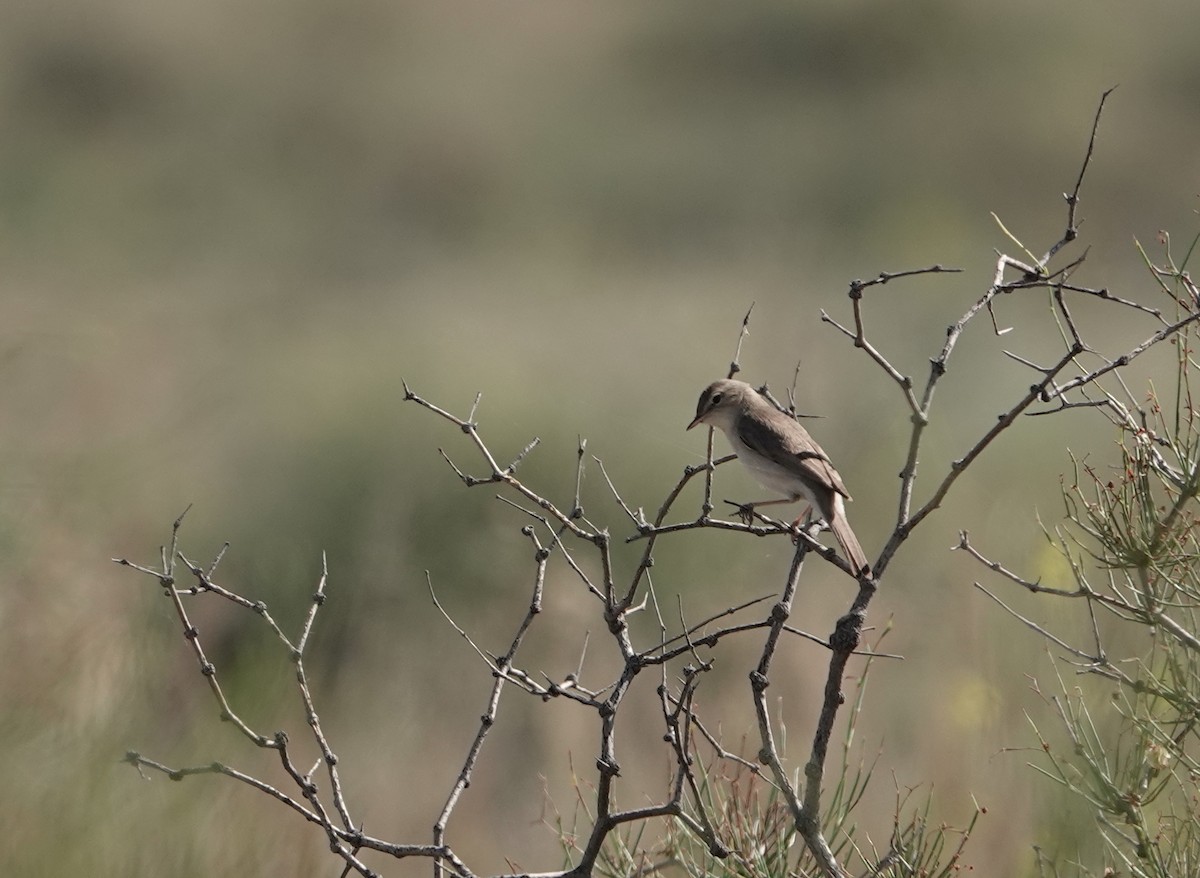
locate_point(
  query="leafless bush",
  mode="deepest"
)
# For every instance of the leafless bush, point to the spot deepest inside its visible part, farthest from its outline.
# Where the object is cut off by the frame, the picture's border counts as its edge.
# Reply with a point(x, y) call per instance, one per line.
point(722, 813)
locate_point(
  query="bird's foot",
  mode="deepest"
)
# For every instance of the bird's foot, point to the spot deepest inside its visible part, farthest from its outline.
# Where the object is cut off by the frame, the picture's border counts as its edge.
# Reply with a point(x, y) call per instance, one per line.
point(803, 522)
point(744, 511)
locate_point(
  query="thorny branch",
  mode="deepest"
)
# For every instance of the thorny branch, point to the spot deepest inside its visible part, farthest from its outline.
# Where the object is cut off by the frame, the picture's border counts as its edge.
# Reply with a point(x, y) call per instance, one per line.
point(344, 837)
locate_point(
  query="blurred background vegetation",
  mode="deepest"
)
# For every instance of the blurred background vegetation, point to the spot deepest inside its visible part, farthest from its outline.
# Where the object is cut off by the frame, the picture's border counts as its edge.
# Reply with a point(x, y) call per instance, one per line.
point(228, 230)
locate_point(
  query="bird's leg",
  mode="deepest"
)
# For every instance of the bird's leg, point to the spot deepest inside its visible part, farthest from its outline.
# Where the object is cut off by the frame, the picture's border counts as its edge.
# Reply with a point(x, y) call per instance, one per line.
point(805, 516)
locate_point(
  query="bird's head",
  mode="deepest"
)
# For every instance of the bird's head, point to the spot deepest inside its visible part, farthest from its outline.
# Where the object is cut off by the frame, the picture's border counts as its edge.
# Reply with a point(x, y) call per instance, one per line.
point(720, 403)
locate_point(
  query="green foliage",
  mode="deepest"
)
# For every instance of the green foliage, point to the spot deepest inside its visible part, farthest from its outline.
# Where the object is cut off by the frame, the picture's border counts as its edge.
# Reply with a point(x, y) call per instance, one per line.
point(1133, 539)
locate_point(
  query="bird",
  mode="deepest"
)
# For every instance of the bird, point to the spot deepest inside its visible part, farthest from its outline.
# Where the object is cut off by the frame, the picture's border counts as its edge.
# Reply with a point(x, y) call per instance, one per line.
point(782, 456)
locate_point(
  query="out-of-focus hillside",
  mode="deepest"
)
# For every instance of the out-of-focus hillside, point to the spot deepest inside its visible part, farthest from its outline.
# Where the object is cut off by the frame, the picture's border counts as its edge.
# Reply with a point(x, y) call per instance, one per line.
point(228, 231)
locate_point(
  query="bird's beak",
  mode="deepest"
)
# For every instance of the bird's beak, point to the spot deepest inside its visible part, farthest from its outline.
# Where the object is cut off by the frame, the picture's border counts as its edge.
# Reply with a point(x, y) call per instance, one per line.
point(695, 422)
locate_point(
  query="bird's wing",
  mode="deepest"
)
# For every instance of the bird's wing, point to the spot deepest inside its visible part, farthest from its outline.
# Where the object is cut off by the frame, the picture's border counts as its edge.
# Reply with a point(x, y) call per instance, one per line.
point(801, 454)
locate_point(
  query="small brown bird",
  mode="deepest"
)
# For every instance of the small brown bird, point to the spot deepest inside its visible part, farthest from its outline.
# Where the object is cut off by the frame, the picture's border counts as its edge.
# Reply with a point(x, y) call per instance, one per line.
point(781, 456)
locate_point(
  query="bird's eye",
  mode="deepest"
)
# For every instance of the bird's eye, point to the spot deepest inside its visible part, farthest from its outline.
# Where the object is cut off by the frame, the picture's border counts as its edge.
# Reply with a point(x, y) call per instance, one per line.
point(716, 399)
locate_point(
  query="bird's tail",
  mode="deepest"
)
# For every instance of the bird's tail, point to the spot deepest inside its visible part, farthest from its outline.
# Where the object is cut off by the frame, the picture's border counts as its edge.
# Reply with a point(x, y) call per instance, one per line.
point(844, 534)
